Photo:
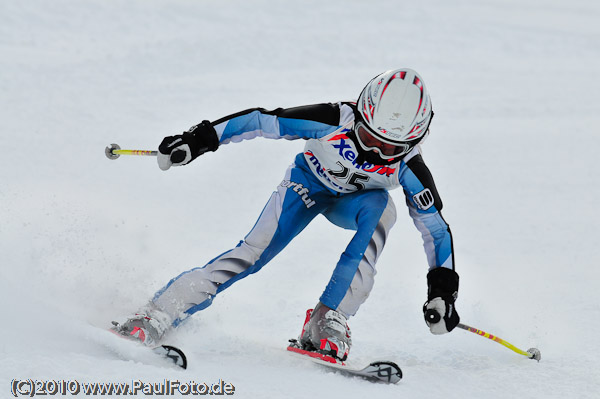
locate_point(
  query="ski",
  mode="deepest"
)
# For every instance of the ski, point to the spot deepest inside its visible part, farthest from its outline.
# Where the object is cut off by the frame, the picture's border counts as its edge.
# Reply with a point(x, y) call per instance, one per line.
point(167, 352)
point(379, 371)
point(173, 354)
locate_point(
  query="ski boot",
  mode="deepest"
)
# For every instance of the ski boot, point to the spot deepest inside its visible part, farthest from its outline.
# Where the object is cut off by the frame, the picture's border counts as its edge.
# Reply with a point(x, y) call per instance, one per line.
point(147, 327)
point(326, 331)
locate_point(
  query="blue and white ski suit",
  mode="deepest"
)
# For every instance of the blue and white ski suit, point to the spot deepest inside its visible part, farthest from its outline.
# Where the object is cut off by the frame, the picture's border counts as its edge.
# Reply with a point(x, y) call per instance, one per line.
point(324, 179)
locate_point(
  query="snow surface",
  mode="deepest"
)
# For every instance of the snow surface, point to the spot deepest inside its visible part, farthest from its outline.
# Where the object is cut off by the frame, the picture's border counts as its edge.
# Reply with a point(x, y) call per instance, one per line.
point(85, 240)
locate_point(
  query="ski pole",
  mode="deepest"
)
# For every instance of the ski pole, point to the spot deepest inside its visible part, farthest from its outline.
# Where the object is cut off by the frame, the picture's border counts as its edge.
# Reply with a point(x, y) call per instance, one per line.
point(113, 151)
point(532, 353)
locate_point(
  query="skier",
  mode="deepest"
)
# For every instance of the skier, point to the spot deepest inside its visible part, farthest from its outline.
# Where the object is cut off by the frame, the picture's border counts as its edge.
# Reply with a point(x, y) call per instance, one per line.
point(355, 152)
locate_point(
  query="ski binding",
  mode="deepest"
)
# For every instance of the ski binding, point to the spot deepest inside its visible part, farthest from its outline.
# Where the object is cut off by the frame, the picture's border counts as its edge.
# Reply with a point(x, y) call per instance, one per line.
point(168, 352)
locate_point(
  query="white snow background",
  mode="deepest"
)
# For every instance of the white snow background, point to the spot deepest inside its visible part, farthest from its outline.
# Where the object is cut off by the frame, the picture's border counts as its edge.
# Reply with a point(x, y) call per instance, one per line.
point(513, 146)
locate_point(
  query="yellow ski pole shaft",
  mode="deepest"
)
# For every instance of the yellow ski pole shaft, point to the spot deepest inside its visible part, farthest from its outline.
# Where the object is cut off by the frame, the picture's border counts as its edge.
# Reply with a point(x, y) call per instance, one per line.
point(113, 151)
point(532, 353)
point(135, 152)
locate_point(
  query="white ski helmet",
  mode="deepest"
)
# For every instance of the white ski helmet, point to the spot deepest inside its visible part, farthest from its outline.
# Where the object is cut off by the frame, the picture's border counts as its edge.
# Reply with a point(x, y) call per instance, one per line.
point(394, 112)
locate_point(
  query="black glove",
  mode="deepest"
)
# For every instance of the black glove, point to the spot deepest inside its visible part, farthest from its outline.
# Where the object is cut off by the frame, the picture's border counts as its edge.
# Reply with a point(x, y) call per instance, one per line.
point(440, 312)
point(184, 148)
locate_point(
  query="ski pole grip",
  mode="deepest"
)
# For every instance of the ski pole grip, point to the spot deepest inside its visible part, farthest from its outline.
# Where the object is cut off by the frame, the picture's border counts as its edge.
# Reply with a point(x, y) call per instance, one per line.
point(178, 156)
point(432, 316)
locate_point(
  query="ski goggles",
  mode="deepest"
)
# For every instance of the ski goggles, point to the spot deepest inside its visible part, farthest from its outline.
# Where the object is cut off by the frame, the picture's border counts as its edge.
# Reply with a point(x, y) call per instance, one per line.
point(386, 150)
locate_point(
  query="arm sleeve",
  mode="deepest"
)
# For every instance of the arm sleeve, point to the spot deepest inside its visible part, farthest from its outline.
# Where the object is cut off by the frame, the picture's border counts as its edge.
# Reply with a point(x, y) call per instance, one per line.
point(305, 122)
point(425, 205)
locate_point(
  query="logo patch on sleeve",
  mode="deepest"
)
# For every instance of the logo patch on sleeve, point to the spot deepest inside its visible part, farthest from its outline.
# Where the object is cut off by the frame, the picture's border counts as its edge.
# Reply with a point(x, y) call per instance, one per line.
point(424, 199)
